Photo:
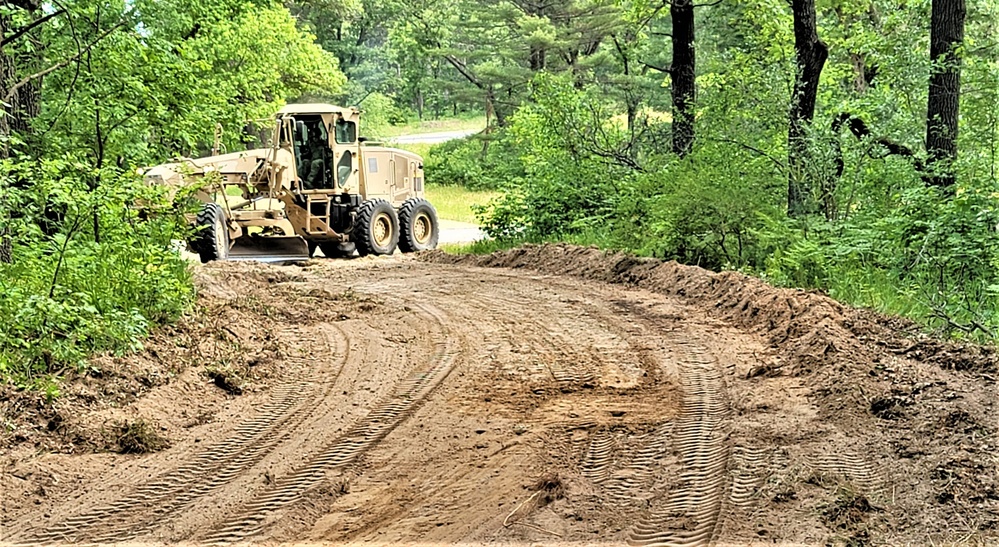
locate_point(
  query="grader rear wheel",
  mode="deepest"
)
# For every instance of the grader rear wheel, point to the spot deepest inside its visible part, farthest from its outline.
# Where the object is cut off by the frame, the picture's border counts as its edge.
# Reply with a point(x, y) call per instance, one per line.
point(376, 228)
point(418, 226)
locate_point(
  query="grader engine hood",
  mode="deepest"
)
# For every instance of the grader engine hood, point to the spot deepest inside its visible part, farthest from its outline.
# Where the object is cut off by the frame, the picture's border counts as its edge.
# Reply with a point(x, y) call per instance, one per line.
point(187, 172)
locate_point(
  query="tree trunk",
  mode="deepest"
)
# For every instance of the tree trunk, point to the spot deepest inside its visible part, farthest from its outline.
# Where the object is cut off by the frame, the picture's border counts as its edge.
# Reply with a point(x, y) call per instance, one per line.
point(946, 35)
point(15, 118)
point(682, 74)
point(537, 59)
point(810, 56)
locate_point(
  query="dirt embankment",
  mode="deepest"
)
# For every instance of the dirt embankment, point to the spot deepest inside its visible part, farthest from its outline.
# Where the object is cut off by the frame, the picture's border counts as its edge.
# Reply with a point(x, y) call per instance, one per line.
point(548, 393)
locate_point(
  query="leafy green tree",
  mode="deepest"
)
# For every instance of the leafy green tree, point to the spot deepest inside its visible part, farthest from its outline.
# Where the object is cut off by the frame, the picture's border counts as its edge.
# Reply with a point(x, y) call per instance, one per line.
point(111, 86)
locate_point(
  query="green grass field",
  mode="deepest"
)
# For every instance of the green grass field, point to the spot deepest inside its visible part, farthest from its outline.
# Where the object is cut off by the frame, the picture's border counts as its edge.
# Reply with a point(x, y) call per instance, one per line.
point(455, 202)
point(421, 149)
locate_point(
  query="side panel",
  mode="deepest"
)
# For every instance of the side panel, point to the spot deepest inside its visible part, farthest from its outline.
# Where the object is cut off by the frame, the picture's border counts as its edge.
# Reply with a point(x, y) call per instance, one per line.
point(378, 175)
point(392, 174)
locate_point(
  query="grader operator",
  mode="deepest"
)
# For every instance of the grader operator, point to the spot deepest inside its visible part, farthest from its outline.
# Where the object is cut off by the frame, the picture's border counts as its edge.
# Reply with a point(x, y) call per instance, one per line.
point(316, 186)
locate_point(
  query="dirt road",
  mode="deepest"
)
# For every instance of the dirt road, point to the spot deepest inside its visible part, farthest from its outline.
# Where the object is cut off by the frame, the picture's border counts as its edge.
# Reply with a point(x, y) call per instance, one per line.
point(396, 400)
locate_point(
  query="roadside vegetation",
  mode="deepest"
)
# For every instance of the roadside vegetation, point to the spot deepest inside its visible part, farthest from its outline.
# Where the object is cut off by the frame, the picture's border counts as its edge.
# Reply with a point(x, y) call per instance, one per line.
point(94, 91)
point(825, 147)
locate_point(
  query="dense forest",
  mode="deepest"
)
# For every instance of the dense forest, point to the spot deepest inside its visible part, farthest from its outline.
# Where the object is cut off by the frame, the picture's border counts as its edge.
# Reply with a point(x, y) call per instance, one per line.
point(844, 146)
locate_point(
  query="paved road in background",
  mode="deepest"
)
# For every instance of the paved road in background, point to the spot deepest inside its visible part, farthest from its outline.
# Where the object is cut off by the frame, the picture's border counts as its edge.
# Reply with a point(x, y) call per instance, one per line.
point(433, 138)
point(453, 231)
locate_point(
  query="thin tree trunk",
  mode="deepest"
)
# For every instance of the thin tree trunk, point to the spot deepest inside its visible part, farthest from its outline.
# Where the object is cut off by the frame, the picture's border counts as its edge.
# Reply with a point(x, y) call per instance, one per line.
point(682, 73)
point(537, 60)
point(943, 106)
point(811, 54)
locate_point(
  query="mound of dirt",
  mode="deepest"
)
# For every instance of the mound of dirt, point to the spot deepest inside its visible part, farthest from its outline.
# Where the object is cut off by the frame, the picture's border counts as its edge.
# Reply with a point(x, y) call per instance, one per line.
point(923, 408)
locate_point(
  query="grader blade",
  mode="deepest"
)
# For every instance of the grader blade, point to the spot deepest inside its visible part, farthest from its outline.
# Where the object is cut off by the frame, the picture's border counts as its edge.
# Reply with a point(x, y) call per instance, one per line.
point(269, 249)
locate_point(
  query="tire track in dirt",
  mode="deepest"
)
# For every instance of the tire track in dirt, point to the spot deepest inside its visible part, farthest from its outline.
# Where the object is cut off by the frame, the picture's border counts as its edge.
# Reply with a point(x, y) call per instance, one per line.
point(718, 480)
point(348, 448)
point(453, 487)
point(692, 513)
point(527, 344)
point(152, 504)
point(627, 484)
point(556, 361)
point(749, 473)
point(847, 466)
point(544, 341)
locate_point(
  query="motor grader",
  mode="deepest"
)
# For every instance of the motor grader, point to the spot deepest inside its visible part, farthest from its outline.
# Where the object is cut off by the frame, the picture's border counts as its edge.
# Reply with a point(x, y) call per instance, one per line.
point(318, 185)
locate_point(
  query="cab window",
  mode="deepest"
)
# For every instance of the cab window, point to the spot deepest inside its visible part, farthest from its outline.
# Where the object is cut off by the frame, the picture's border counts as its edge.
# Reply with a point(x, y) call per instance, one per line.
point(346, 132)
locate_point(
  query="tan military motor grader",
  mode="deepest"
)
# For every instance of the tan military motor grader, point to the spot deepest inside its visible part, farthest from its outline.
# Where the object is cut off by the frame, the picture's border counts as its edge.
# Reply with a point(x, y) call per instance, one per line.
point(317, 186)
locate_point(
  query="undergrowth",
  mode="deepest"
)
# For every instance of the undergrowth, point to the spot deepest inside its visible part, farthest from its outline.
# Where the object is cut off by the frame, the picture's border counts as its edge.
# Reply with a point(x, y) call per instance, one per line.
point(87, 274)
point(876, 236)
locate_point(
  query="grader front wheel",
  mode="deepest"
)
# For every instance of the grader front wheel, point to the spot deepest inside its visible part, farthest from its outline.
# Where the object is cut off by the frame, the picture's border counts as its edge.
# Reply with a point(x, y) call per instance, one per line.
point(212, 239)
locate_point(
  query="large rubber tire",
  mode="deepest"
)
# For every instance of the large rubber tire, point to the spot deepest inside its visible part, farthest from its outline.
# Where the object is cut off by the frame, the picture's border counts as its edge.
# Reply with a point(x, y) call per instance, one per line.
point(418, 226)
point(212, 240)
point(376, 228)
point(336, 250)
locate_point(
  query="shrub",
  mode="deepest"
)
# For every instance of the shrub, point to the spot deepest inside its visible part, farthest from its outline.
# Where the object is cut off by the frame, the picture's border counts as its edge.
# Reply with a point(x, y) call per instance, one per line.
point(76, 291)
point(481, 162)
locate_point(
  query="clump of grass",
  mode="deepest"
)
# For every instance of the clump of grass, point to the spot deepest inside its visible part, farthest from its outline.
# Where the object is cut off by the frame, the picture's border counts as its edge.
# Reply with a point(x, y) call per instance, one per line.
point(550, 487)
point(137, 437)
point(483, 246)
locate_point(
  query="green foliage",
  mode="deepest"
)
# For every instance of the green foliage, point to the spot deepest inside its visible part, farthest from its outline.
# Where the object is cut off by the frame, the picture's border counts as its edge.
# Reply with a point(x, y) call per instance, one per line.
point(69, 295)
point(697, 211)
point(380, 112)
point(93, 260)
point(486, 161)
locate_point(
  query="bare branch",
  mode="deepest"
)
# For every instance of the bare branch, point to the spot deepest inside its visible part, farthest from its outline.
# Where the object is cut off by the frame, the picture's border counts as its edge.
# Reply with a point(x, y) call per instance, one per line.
point(777, 162)
point(666, 69)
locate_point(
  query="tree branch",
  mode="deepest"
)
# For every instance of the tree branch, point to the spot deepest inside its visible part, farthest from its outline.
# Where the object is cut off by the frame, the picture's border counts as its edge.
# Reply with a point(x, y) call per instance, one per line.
point(55, 67)
point(460, 67)
point(860, 130)
point(27, 28)
point(666, 70)
point(777, 162)
point(76, 75)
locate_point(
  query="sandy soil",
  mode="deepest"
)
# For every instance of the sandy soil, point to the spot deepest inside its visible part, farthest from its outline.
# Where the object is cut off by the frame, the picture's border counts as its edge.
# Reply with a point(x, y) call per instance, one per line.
point(544, 395)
